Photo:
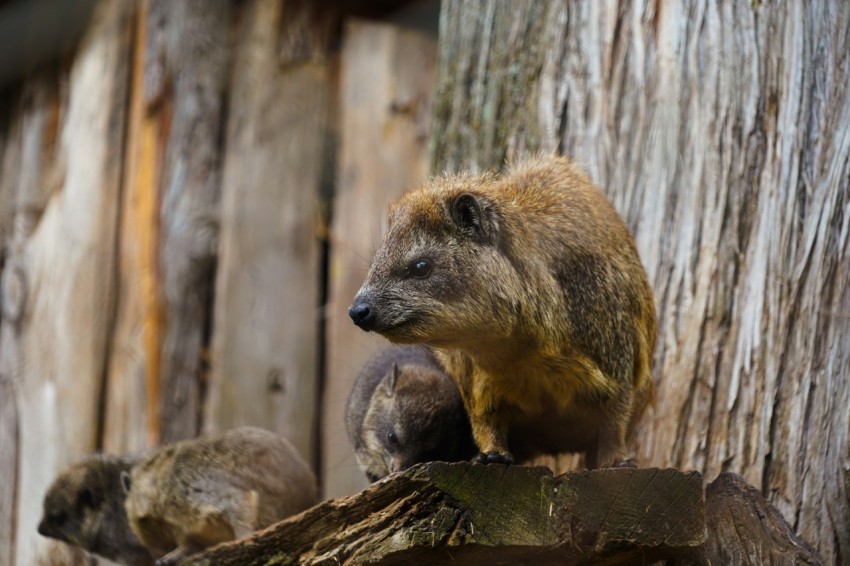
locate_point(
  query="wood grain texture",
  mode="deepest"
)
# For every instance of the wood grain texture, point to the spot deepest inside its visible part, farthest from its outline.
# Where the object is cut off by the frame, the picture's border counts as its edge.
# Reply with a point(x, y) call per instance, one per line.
point(465, 513)
point(131, 408)
point(264, 355)
point(386, 85)
point(64, 254)
point(195, 52)
point(743, 528)
point(719, 132)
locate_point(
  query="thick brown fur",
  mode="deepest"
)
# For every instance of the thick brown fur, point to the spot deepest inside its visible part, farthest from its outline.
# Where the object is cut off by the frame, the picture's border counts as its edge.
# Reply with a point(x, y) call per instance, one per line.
point(535, 301)
point(84, 506)
point(196, 493)
point(404, 409)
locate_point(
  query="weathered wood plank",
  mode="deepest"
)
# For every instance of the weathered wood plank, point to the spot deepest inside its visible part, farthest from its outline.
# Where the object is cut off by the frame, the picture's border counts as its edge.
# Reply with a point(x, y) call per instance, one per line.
point(10, 172)
point(131, 411)
point(720, 132)
point(196, 64)
point(67, 268)
point(387, 77)
point(264, 340)
point(465, 513)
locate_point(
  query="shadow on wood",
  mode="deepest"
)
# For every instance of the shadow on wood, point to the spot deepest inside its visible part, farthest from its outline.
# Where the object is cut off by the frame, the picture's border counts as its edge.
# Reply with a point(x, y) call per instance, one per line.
point(474, 514)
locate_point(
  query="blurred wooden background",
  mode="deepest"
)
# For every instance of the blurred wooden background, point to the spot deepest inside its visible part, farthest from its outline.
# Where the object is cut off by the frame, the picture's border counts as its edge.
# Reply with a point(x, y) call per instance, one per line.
point(191, 191)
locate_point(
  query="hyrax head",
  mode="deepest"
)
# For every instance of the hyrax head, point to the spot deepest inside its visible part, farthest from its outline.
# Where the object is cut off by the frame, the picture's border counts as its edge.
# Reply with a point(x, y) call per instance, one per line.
point(440, 273)
point(415, 415)
point(72, 505)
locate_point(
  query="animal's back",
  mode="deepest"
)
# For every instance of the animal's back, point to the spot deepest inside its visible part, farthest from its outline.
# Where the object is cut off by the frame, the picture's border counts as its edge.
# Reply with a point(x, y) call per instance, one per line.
point(215, 488)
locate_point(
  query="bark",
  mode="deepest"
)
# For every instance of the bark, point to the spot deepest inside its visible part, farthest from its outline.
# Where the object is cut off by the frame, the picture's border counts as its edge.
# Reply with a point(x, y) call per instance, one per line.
point(743, 528)
point(720, 132)
point(472, 514)
point(386, 82)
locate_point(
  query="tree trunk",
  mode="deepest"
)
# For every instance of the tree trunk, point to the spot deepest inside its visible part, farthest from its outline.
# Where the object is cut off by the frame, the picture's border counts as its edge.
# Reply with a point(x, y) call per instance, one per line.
point(720, 132)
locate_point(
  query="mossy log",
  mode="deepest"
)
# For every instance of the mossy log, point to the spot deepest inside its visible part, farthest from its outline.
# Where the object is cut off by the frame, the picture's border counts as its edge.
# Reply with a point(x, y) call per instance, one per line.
point(473, 514)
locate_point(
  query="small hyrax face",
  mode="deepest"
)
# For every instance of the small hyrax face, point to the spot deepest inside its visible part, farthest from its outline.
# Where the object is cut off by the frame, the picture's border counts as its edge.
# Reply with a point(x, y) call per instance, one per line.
point(411, 419)
point(437, 270)
point(72, 507)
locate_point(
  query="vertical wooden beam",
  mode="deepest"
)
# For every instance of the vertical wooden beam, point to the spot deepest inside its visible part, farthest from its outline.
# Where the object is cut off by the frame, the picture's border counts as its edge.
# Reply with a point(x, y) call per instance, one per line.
point(387, 77)
point(196, 64)
point(132, 419)
point(170, 222)
point(266, 309)
point(67, 275)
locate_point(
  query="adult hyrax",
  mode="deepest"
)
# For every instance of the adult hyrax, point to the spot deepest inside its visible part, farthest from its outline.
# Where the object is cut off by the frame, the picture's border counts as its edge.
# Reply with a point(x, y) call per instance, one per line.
point(84, 506)
point(404, 409)
point(530, 289)
point(196, 493)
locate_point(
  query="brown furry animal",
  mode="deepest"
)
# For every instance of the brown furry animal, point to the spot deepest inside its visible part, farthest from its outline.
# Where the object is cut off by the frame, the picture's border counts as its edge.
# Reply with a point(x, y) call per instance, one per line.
point(197, 493)
point(404, 409)
point(84, 506)
point(530, 289)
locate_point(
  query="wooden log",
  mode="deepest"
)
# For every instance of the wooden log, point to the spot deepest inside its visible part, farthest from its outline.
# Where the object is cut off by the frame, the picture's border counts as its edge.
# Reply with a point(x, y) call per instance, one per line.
point(466, 513)
point(387, 76)
point(64, 280)
point(744, 528)
point(264, 344)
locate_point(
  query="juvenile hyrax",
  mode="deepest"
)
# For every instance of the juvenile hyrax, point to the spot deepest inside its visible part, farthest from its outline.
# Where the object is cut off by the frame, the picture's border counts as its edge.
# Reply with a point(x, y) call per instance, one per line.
point(84, 506)
point(196, 493)
point(404, 409)
point(530, 289)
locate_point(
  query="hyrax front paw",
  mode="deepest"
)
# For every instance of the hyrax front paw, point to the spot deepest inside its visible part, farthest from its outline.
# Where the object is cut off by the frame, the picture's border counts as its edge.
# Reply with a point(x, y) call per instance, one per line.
point(629, 463)
point(503, 457)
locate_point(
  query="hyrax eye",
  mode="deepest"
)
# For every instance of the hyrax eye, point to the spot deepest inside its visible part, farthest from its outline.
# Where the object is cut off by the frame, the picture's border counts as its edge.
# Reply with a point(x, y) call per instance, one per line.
point(419, 268)
point(392, 438)
point(58, 518)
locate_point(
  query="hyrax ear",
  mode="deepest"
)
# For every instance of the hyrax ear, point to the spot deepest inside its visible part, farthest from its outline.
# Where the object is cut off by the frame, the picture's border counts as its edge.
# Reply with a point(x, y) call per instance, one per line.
point(125, 481)
point(391, 379)
point(473, 216)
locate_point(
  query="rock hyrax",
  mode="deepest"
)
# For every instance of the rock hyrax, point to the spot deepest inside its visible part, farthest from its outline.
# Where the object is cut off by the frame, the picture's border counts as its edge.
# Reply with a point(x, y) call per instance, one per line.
point(84, 506)
point(196, 493)
point(404, 409)
point(530, 289)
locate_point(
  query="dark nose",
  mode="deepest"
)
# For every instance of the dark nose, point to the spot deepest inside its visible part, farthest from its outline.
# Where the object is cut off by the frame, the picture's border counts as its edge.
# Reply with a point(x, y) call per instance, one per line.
point(363, 314)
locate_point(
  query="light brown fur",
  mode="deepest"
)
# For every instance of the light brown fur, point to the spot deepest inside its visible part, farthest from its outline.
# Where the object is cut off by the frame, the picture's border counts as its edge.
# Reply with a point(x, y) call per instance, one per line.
point(196, 493)
point(535, 301)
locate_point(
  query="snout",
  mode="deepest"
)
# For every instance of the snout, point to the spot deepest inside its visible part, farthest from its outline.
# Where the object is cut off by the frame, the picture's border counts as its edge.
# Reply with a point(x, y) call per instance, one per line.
point(362, 312)
point(43, 528)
